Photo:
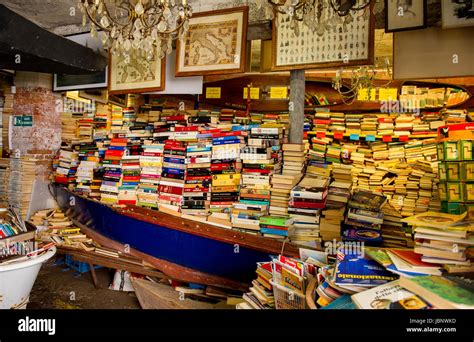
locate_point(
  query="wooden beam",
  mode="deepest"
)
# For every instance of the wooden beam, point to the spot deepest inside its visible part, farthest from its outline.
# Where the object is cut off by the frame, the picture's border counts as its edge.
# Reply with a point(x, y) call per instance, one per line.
point(296, 106)
point(28, 47)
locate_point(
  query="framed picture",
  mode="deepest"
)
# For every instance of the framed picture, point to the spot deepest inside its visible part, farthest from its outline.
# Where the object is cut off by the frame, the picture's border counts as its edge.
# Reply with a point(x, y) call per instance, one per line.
point(97, 95)
point(63, 82)
point(215, 43)
point(118, 99)
point(355, 44)
point(457, 13)
point(136, 74)
point(403, 15)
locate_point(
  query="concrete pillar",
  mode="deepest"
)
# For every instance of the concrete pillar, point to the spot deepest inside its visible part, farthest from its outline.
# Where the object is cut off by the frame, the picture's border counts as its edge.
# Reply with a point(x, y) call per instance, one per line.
point(296, 106)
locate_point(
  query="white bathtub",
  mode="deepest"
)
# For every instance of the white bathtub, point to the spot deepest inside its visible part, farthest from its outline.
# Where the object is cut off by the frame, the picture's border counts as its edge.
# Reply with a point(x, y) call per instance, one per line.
point(17, 279)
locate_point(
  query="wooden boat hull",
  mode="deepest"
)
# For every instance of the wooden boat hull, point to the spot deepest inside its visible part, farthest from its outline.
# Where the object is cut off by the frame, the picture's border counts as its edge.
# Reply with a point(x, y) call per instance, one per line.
point(181, 249)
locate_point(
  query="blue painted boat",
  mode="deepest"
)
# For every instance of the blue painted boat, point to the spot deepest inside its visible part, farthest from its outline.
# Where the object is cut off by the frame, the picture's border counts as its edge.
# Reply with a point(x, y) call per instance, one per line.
point(182, 249)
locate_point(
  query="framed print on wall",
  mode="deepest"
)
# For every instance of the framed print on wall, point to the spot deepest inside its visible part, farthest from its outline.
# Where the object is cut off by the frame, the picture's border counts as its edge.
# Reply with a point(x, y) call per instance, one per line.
point(136, 74)
point(352, 44)
point(215, 43)
point(403, 15)
point(457, 13)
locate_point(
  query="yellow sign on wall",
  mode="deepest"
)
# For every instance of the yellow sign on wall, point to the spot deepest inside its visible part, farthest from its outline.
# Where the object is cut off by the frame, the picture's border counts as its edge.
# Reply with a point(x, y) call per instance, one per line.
point(278, 92)
point(386, 94)
point(254, 93)
point(213, 93)
point(363, 94)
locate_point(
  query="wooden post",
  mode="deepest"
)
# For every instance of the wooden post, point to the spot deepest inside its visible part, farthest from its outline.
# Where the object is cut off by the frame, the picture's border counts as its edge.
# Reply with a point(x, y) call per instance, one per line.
point(296, 106)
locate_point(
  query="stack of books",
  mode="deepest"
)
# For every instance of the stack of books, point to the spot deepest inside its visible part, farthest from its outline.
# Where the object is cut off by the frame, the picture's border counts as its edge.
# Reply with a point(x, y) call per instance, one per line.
point(310, 194)
point(117, 119)
point(261, 291)
point(276, 227)
point(198, 178)
point(130, 179)
point(22, 178)
point(364, 217)
point(151, 163)
point(441, 238)
point(172, 177)
point(68, 162)
point(225, 170)
point(330, 224)
point(112, 170)
point(85, 175)
point(281, 186)
point(294, 159)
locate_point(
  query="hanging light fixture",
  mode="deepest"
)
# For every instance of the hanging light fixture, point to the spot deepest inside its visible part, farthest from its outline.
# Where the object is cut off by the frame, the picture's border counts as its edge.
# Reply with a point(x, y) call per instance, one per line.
point(319, 15)
point(138, 27)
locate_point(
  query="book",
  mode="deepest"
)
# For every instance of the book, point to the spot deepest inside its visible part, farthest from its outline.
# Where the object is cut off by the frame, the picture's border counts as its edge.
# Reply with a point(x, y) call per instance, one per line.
point(387, 296)
point(446, 292)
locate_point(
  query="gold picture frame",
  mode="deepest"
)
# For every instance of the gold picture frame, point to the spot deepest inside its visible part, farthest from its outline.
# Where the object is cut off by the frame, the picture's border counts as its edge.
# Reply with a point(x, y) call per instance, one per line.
point(225, 51)
point(136, 74)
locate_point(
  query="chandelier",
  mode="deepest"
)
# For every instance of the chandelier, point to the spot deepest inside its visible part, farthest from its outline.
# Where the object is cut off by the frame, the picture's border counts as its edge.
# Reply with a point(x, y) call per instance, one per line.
point(318, 15)
point(350, 81)
point(137, 27)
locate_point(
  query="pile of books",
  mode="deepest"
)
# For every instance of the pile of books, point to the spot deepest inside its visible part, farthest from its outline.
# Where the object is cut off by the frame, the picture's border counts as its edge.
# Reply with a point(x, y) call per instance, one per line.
point(443, 239)
point(225, 170)
point(364, 217)
point(276, 227)
point(151, 163)
point(281, 186)
point(294, 159)
point(112, 163)
point(172, 177)
point(65, 172)
point(130, 179)
point(307, 199)
point(261, 291)
point(330, 223)
point(198, 178)
point(22, 178)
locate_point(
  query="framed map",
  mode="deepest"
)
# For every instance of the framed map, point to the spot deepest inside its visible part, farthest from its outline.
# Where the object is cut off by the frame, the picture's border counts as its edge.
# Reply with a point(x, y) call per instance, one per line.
point(349, 44)
point(136, 74)
point(215, 43)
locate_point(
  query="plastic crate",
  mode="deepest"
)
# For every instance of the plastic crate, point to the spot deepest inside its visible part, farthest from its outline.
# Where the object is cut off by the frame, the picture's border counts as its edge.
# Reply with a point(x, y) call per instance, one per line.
point(286, 298)
point(78, 266)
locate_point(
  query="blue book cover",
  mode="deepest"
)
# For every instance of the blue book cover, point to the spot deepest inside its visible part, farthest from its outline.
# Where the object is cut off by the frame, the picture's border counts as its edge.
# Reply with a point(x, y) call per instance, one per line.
point(226, 142)
point(173, 160)
point(226, 138)
point(355, 269)
point(117, 148)
point(344, 302)
point(172, 171)
point(274, 231)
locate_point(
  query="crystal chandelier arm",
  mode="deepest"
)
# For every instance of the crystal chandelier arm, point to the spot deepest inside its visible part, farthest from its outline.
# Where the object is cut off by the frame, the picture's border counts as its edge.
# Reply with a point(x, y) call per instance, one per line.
point(156, 7)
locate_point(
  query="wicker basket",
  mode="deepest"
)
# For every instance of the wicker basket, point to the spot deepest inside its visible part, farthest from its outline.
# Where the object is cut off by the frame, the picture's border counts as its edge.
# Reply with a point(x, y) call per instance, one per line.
point(287, 299)
point(310, 293)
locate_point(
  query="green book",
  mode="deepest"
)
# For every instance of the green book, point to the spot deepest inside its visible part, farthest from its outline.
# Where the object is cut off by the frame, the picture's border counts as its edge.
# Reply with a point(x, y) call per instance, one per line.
point(379, 255)
point(275, 221)
point(448, 292)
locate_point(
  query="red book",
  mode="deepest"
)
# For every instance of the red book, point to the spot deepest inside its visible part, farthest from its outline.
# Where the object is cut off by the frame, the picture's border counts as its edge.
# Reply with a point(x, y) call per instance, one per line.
point(171, 189)
point(308, 205)
point(198, 178)
point(197, 189)
point(131, 178)
point(260, 171)
point(114, 153)
point(131, 202)
point(322, 121)
point(227, 134)
point(186, 129)
point(411, 257)
point(152, 154)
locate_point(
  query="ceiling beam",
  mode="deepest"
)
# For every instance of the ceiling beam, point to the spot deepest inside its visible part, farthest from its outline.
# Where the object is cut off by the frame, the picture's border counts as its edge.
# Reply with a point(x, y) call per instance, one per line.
point(28, 47)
